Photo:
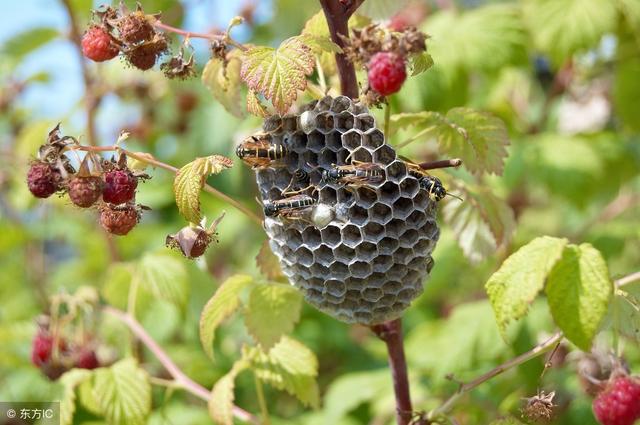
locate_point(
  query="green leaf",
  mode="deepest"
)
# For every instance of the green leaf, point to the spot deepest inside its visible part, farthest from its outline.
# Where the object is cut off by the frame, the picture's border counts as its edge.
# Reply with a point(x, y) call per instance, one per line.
point(319, 44)
point(625, 311)
point(189, 181)
point(70, 381)
point(562, 27)
point(268, 263)
point(514, 286)
point(272, 311)
point(223, 303)
point(481, 223)
point(223, 80)
point(221, 401)
point(288, 366)
point(626, 84)
point(478, 138)
point(165, 276)
point(579, 291)
point(254, 106)
point(279, 73)
point(350, 390)
point(123, 392)
point(26, 42)
point(420, 63)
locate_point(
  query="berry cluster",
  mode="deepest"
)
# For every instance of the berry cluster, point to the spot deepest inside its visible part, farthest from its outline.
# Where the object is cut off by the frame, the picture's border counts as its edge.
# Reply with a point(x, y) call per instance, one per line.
point(384, 54)
point(54, 354)
point(133, 35)
point(112, 181)
point(619, 402)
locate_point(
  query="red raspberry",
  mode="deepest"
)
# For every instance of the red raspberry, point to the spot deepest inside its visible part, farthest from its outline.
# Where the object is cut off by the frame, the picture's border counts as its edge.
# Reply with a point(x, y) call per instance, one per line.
point(98, 45)
point(85, 191)
point(619, 403)
point(41, 349)
point(87, 359)
point(120, 220)
point(120, 187)
point(43, 179)
point(387, 72)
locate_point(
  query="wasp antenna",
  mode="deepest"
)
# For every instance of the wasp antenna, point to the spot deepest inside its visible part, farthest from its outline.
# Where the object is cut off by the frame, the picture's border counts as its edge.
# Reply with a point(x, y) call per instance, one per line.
point(455, 196)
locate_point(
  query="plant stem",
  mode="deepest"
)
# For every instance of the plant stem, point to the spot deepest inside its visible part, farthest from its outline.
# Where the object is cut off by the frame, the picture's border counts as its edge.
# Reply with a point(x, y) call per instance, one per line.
point(181, 380)
point(337, 14)
point(261, 401)
point(516, 361)
point(154, 162)
point(188, 34)
point(387, 118)
point(445, 163)
point(391, 333)
point(633, 277)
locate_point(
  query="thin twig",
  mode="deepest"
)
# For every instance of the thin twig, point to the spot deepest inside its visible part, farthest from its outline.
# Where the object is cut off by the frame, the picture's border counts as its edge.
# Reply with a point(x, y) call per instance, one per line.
point(154, 162)
point(264, 411)
point(516, 361)
point(91, 99)
point(633, 277)
point(445, 163)
point(391, 333)
point(208, 36)
point(181, 380)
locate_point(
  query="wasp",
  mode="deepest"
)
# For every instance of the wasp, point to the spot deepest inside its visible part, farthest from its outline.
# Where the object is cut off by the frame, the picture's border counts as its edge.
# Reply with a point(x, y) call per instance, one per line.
point(292, 206)
point(356, 174)
point(431, 184)
point(259, 151)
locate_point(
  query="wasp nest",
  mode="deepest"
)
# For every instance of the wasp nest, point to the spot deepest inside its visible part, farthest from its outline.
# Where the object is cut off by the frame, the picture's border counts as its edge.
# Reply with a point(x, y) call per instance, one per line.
point(364, 251)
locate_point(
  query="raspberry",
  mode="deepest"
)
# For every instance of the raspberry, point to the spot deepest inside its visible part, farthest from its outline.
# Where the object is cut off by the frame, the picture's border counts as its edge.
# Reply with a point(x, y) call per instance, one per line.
point(119, 220)
point(145, 56)
point(98, 45)
point(87, 359)
point(120, 186)
point(85, 191)
point(191, 241)
point(135, 28)
point(41, 349)
point(619, 403)
point(386, 73)
point(43, 179)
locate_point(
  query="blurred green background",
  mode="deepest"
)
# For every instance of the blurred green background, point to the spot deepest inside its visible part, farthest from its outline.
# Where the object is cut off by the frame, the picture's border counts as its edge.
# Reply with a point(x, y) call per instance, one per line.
point(564, 75)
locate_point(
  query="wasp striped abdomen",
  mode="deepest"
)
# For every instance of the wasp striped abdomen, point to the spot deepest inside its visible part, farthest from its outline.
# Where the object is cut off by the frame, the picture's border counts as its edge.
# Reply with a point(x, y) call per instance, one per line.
point(260, 151)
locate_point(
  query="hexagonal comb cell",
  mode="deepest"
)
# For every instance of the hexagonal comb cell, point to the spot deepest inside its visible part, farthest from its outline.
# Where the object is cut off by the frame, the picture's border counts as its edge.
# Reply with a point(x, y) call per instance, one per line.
point(368, 263)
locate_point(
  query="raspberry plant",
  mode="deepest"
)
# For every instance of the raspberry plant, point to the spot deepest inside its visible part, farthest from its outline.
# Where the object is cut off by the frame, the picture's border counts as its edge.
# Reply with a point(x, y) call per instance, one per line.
point(344, 119)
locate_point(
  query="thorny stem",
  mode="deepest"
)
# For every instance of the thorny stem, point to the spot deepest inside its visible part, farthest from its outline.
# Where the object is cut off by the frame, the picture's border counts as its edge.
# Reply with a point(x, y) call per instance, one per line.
point(208, 36)
point(91, 99)
point(181, 380)
point(516, 361)
point(338, 13)
point(391, 333)
point(154, 162)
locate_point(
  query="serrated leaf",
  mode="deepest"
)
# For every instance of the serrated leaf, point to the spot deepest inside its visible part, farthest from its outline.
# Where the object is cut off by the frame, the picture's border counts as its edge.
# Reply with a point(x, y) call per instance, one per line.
point(70, 381)
point(223, 303)
point(254, 106)
point(279, 73)
point(223, 80)
point(579, 290)
point(514, 286)
point(26, 42)
point(268, 263)
point(319, 44)
point(625, 311)
point(288, 366)
point(221, 402)
point(481, 223)
point(478, 138)
point(123, 393)
point(563, 27)
point(420, 63)
point(165, 276)
point(272, 311)
point(189, 181)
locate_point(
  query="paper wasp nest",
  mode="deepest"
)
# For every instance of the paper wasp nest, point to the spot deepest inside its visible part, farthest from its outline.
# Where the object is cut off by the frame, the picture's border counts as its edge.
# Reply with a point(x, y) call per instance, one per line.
point(369, 262)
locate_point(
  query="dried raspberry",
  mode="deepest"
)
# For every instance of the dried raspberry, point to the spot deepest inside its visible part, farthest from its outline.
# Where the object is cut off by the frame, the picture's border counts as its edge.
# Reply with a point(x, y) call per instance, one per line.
point(387, 72)
point(98, 45)
point(41, 349)
point(135, 28)
point(120, 186)
point(619, 403)
point(145, 56)
point(85, 191)
point(87, 359)
point(43, 179)
point(191, 241)
point(119, 220)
